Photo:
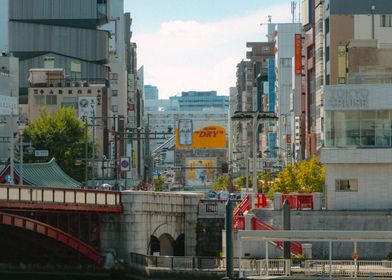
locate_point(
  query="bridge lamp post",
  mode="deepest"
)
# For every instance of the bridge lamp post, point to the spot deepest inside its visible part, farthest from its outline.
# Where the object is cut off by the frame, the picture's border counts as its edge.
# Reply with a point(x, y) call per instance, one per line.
point(255, 117)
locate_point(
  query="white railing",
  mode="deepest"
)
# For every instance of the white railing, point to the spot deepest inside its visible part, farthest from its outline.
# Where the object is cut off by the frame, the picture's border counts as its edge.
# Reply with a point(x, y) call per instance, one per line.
point(28, 194)
point(348, 268)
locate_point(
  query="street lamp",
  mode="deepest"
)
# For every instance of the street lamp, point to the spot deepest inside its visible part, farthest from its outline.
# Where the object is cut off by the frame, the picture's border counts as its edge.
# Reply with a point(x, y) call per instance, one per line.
point(255, 117)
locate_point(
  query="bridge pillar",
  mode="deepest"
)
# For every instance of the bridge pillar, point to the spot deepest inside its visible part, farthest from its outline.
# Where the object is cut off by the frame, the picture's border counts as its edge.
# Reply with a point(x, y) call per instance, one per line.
point(149, 214)
point(191, 205)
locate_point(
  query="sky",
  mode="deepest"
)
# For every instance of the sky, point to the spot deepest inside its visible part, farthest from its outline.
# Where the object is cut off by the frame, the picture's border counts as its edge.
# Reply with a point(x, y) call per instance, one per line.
point(189, 45)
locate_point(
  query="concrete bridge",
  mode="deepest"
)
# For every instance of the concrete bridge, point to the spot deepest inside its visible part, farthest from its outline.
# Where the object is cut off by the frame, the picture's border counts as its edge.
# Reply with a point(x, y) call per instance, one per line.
point(152, 223)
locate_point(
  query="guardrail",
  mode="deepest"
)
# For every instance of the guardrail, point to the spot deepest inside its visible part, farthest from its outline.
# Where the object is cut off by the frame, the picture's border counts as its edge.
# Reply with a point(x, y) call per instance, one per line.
point(270, 267)
point(15, 196)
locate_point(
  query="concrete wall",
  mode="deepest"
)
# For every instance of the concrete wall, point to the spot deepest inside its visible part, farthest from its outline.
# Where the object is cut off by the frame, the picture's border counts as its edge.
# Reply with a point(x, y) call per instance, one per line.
point(337, 220)
point(150, 213)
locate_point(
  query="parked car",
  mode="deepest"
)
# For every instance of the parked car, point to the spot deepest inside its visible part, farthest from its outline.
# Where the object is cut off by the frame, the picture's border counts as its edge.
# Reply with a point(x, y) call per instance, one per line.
point(224, 195)
point(235, 196)
point(212, 195)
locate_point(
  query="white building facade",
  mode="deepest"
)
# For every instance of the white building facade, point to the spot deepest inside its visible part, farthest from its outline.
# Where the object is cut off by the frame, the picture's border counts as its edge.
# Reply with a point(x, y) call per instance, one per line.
point(358, 147)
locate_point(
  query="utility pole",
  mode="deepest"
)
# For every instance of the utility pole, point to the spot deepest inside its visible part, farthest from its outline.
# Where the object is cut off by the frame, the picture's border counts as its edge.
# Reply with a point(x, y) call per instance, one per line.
point(21, 159)
point(254, 151)
point(85, 149)
point(93, 151)
point(12, 159)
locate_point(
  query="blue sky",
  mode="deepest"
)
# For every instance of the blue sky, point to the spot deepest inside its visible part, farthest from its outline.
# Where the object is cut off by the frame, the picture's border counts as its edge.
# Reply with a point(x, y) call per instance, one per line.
point(196, 44)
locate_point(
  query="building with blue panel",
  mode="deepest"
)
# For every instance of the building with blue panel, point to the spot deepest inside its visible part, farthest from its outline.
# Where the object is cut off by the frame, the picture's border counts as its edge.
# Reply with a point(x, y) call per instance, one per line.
point(200, 100)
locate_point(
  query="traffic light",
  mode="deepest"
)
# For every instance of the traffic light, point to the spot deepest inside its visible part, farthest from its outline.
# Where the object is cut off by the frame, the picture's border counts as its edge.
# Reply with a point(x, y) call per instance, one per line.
point(225, 168)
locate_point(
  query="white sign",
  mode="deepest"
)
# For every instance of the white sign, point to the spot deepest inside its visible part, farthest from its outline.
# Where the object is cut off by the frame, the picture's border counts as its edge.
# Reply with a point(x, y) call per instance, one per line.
point(8, 104)
point(41, 153)
point(87, 107)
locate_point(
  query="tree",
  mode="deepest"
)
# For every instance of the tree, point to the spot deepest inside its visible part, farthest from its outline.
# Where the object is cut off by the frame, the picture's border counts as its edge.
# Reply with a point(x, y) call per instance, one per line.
point(159, 182)
point(63, 135)
point(221, 184)
point(303, 177)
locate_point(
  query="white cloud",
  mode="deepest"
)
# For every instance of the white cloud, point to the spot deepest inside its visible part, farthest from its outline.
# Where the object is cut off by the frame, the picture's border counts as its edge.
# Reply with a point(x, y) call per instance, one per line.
point(189, 55)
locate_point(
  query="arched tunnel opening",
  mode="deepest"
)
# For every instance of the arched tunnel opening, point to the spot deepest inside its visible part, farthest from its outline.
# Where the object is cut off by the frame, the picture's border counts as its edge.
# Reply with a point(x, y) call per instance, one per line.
point(165, 245)
point(20, 246)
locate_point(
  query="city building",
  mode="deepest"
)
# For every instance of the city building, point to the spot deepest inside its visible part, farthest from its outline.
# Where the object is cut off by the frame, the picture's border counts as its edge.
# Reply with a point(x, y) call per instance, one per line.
point(288, 68)
point(122, 92)
point(151, 92)
point(48, 89)
point(358, 150)
point(199, 100)
point(9, 91)
point(66, 37)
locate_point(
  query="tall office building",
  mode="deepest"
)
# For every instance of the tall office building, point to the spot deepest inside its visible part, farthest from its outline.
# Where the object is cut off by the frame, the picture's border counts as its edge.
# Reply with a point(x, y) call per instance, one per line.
point(56, 34)
point(199, 100)
point(151, 92)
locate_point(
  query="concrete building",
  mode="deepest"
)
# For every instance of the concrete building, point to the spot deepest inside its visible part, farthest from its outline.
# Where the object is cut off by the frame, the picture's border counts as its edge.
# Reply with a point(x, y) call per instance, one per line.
point(155, 105)
point(358, 150)
point(9, 93)
point(67, 37)
point(48, 90)
point(123, 92)
point(288, 94)
point(337, 31)
point(199, 100)
point(151, 92)
point(356, 104)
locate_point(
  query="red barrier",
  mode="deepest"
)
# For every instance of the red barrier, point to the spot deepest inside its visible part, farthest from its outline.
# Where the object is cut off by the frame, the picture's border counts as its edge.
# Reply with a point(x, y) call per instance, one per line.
point(261, 200)
point(298, 200)
point(239, 211)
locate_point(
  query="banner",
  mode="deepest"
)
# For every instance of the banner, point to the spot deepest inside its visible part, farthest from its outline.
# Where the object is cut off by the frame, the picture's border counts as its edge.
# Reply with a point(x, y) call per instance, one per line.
point(298, 54)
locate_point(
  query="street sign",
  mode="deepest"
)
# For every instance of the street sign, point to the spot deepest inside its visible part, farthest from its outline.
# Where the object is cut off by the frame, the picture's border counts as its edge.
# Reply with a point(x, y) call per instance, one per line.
point(8, 178)
point(41, 153)
point(124, 164)
point(155, 173)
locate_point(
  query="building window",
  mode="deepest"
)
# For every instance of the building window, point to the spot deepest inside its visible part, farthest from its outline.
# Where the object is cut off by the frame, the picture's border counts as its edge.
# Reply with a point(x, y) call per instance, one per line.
point(386, 20)
point(114, 108)
point(76, 70)
point(113, 76)
point(48, 62)
point(114, 92)
point(326, 25)
point(39, 100)
point(346, 185)
point(51, 100)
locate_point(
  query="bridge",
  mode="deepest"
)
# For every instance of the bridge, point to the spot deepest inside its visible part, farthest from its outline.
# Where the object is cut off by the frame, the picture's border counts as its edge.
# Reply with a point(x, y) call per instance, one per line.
point(61, 225)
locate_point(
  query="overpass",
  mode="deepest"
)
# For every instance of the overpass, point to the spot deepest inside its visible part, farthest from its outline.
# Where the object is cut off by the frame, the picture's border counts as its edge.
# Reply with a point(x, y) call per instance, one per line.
point(42, 224)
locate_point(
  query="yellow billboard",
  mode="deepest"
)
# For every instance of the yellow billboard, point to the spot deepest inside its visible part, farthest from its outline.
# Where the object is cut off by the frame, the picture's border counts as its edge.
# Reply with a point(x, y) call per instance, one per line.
point(189, 137)
point(200, 171)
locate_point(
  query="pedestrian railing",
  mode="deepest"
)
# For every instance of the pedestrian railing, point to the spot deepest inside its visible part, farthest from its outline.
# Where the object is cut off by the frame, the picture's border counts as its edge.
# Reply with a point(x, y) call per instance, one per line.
point(271, 267)
point(14, 196)
point(348, 268)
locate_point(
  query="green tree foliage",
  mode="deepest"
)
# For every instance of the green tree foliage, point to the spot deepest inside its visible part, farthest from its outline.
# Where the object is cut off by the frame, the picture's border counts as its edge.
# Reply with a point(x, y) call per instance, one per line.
point(159, 182)
point(63, 135)
point(303, 177)
point(221, 184)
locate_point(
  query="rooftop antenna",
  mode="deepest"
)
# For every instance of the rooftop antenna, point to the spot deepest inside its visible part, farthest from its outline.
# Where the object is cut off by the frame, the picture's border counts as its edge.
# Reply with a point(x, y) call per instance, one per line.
point(293, 6)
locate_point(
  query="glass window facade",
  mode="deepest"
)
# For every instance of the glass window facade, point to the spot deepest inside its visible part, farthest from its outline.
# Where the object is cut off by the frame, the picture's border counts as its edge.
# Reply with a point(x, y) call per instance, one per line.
point(362, 128)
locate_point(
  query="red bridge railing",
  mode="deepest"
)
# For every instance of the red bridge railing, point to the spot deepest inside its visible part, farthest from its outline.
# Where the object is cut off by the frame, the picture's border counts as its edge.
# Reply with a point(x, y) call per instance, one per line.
point(257, 224)
point(54, 233)
point(238, 219)
point(30, 197)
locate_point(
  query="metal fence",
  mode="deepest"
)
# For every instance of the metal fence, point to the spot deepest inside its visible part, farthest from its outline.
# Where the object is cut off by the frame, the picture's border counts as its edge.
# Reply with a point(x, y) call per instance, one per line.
point(271, 267)
point(348, 268)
